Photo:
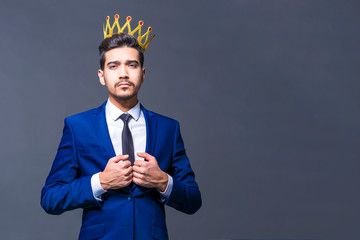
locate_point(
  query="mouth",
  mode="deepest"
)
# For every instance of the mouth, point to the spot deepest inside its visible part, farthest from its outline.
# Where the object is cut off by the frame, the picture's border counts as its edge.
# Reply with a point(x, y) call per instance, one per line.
point(123, 84)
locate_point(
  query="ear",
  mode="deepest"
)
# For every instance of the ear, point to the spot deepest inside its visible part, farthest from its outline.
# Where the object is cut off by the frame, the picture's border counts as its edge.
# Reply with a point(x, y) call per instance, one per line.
point(143, 75)
point(101, 77)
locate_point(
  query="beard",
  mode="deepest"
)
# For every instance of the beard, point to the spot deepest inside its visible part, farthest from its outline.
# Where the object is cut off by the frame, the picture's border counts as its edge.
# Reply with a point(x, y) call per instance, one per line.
point(123, 95)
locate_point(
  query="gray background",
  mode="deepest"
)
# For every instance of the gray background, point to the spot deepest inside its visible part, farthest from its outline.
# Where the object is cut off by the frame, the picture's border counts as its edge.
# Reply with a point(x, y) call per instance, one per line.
point(267, 93)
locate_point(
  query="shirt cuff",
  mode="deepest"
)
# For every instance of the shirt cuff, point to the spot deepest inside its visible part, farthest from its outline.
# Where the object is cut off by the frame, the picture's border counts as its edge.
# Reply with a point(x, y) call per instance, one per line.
point(96, 187)
point(165, 194)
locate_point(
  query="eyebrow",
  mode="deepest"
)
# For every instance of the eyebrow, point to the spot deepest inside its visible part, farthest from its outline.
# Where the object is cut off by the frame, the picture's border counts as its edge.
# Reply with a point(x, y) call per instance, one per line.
point(127, 62)
point(132, 61)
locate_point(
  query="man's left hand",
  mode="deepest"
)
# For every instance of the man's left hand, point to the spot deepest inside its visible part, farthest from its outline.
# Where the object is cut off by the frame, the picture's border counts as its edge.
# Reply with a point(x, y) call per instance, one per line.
point(148, 174)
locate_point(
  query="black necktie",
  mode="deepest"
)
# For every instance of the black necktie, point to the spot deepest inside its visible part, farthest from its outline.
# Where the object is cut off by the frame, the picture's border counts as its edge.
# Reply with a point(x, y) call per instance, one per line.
point(126, 137)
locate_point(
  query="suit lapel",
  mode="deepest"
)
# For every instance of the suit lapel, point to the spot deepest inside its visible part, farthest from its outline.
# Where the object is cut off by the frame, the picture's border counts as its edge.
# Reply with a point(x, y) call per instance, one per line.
point(103, 131)
point(151, 130)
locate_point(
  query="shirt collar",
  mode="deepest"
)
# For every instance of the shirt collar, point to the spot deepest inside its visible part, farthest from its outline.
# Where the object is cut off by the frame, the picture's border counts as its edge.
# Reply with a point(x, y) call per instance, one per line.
point(115, 112)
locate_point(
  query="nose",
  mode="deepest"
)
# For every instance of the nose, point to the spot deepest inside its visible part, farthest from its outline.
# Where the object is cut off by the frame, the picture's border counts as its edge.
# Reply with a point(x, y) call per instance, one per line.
point(123, 73)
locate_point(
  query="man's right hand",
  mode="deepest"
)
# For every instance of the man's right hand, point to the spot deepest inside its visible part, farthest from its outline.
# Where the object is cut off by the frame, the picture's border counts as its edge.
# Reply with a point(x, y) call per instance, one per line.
point(118, 173)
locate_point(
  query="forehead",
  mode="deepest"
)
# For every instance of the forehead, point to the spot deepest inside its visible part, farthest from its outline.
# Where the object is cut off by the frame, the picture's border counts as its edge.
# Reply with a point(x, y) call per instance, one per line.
point(122, 54)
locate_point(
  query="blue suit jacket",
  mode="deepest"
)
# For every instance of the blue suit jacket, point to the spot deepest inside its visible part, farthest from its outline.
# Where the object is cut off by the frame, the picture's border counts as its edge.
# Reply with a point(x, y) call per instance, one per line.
point(127, 213)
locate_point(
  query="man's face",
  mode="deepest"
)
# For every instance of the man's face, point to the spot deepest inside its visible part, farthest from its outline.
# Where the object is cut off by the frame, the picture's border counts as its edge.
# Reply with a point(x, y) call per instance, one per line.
point(122, 74)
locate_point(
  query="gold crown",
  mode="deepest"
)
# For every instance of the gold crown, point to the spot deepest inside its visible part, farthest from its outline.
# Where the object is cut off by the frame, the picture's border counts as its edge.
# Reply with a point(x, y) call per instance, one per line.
point(109, 30)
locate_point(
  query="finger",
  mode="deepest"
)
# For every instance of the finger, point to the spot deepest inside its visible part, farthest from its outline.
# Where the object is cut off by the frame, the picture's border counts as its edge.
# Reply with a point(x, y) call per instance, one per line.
point(140, 181)
point(127, 183)
point(136, 181)
point(137, 175)
point(129, 177)
point(125, 171)
point(140, 163)
point(118, 158)
point(138, 169)
point(125, 164)
point(146, 156)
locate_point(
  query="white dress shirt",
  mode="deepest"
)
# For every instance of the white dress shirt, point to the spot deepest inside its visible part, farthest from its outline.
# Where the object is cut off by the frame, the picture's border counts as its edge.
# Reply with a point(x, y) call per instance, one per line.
point(137, 128)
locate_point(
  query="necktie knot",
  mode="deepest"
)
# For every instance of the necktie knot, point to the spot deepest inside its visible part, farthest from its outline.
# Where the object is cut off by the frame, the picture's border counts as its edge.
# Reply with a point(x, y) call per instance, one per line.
point(125, 117)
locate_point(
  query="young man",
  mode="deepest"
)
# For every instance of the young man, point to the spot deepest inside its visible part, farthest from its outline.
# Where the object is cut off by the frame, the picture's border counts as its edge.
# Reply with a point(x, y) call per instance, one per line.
point(120, 162)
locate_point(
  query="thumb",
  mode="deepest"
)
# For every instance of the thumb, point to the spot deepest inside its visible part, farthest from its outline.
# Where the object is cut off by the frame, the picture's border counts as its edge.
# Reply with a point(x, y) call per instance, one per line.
point(119, 158)
point(147, 157)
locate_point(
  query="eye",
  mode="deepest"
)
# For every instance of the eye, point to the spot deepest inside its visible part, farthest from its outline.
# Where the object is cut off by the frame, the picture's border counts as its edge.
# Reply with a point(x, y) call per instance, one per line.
point(133, 65)
point(112, 67)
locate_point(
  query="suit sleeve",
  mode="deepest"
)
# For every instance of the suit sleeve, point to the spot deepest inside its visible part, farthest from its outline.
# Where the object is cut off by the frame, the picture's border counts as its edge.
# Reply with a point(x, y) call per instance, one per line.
point(185, 195)
point(64, 188)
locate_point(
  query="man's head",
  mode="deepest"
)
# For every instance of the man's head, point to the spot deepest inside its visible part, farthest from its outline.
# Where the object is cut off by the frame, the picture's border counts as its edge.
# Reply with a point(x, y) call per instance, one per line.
point(121, 61)
point(119, 40)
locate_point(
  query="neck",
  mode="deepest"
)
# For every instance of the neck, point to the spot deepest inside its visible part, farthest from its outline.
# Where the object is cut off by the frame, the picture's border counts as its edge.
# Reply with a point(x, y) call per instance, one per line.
point(124, 105)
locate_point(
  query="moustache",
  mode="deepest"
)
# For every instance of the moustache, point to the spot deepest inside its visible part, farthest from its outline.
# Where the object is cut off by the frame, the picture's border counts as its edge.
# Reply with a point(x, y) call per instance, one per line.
point(126, 81)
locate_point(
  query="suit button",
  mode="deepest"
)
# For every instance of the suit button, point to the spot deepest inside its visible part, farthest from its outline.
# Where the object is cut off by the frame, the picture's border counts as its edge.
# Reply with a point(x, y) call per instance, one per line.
point(129, 198)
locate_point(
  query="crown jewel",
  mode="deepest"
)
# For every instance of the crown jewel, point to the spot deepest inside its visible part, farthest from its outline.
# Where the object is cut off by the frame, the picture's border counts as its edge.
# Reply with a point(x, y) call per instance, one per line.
point(109, 30)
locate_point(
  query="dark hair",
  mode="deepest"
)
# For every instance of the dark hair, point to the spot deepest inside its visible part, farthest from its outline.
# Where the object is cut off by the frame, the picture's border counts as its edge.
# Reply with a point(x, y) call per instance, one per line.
point(119, 40)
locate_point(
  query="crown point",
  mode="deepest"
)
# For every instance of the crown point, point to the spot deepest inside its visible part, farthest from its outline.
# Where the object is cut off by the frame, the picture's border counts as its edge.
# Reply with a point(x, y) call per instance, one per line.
point(116, 16)
point(141, 23)
point(150, 29)
point(129, 18)
point(107, 18)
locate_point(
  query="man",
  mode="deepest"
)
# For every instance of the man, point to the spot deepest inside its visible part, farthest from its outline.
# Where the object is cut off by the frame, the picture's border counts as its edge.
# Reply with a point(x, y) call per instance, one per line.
point(120, 162)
